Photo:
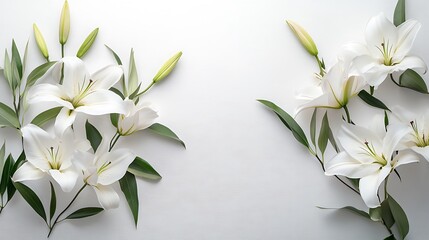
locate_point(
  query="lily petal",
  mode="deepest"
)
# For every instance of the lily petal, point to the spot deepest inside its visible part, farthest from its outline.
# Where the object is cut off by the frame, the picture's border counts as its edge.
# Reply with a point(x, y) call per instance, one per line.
point(395, 133)
point(344, 165)
point(379, 30)
point(107, 196)
point(424, 151)
point(411, 62)
point(368, 186)
point(118, 162)
point(407, 33)
point(36, 142)
point(27, 172)
point(405, 157)
point(106, 77)
point(66, 179)
point(75, 75)
point(102, 102)
point(64, 120)
point(48, 93)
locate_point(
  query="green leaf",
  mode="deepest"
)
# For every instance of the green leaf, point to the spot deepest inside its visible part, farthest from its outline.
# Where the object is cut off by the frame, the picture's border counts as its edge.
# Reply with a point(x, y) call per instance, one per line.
point(134, 94)
point(400, 217)
point(115, 90)
point(129, 188)
point(38, 72)
point(24, 60)
point(16, 58)
point(93, 135)
point(8, 69)
point(375, 214)
point(15, 76)
point(412, 80)
point(46, 116)
point(10, 187)
point(141, 168)
point(313, 127)
point(18, 163)
point(288, 121)
point(86, 45)
point(386, 214)
point(32, 199)
point(332, 140)
point(386, 120)
point(354, 182)
point(53, 202)
point(166, 132)
point(324, 134)
point(2, 158)
point(118, 60)
point(8, 117)
point(371, 100)
point(85, 212)
point(5, 177)
point(167, 67)
point(114, 118)
point(399, 14)
point(133, 79)
point(391, 237)
point(352, 209)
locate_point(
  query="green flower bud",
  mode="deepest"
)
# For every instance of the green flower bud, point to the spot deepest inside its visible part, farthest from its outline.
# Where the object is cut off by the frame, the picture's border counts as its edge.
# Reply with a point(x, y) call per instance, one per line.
point(40, 42)
point(304, 38)
point(167, 67)
point(65, 23)
point(87, 43)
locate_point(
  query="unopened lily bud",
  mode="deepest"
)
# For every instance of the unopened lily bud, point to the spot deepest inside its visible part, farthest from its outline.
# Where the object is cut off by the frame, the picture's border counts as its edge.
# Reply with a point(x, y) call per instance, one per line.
point(40, 41)
point(304, 38)
point(65, 23)
point(87, 43)
point(167, 67)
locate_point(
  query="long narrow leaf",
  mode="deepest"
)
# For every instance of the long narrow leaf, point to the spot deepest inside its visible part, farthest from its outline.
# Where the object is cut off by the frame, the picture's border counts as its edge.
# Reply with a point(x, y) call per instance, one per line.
point(93, 135)
point(371, 100)
point(129, 188)
point(8, 116)
point(399, 15)
point(53, 202)
point(32, 199)
point(412, 80)
point(386, 214)
point(5, 177)
point(16, 58)
point(324, 134)
point(118, 60)
point(85, 212)
point(166, 132)
point(400, 217)
point(141, 168)
point(288, 121)
point(313, 127)
point(351, 209)
point(38, 72)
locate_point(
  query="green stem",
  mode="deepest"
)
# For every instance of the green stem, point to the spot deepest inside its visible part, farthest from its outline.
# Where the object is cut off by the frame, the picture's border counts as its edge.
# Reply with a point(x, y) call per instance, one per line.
point(321, 67)
point(65, 209)
point(148, 87)
point(114, 140)
point(347, 114)
point(393, 80)
point(62, 51)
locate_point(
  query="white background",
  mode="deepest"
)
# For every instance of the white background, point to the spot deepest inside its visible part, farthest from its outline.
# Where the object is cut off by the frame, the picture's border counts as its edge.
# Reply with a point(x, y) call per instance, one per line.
point(243, 176)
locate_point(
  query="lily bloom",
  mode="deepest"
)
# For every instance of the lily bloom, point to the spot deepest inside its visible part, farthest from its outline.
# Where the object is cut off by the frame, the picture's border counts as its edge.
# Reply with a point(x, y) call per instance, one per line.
point(369, 157)
point(138, 117)
point(80, 92)
point(102, 169)
point(337, 87)
point(387, 49)
point(50, 155)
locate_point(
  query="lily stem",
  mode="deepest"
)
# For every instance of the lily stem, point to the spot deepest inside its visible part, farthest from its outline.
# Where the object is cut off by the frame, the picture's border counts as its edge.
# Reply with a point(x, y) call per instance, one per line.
point(62, 50)
point(65, 209)
point(114, 140)
point(393, 80)
point(336, 176)
point(148, 87)
point(321, 66)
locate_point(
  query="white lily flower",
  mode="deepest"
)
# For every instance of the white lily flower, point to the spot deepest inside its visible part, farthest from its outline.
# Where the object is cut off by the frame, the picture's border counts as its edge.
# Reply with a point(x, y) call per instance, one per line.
point(79, 92)
point(102, 169)
point(50, 155)
point(387, 49)
point(337, 87)
point(368, 157)
point(138, 117)
point(417, 138)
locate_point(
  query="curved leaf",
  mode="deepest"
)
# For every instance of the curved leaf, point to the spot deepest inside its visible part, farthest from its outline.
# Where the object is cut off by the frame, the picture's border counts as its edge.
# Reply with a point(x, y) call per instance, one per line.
point(350, 208)
point(45, 116)
point(93, 135)
point(400, 217)
point(38, 72)
point(129, 188)
point(166, 132)
point(324, 134)
point(53, 202)
point(412, 80)
point(118, 60)
point(32, 199)
point(313, 127)
point(399, 14)
point(288, 121)
point(371, 100)
point(141, 168)
point(85, 212)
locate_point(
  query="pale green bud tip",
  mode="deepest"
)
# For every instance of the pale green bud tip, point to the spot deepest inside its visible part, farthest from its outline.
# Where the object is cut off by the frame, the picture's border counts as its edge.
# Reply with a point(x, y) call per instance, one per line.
point(40, 41)
point(86, 45)
point(65, 23)
point(167, 67)
point(303, 37)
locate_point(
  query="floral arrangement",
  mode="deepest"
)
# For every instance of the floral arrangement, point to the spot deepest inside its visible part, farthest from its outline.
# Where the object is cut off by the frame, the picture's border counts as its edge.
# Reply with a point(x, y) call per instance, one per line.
point(73, 156)
point(365, 157)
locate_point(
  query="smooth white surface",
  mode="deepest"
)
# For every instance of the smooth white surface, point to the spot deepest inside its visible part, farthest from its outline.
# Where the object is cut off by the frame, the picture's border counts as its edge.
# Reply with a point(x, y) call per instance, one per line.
point(243, 176)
